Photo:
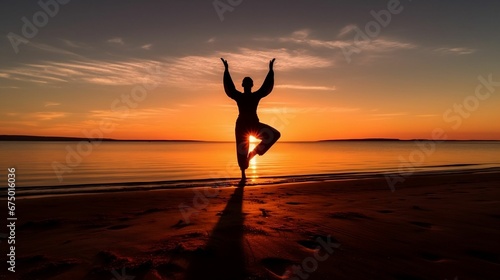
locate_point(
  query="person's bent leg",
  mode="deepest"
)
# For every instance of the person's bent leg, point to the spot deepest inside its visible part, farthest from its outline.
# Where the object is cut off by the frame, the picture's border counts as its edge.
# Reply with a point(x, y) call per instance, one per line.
point(269, 136)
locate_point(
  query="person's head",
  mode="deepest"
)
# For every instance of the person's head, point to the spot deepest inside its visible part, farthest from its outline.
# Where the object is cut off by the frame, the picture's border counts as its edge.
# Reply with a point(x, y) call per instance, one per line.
point(247, 83)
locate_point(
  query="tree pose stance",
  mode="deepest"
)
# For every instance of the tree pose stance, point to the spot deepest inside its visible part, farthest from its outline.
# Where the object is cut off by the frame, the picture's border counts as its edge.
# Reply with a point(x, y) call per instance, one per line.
point(248, 123)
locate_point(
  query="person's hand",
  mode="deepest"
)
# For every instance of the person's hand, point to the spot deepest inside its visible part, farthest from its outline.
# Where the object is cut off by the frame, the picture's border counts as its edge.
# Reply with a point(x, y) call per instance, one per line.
point(225, 63)
point(271, 63)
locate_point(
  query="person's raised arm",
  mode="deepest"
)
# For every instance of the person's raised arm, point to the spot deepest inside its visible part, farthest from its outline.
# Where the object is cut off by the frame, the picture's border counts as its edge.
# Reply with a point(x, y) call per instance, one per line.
point(229, 87)
point(268, 84)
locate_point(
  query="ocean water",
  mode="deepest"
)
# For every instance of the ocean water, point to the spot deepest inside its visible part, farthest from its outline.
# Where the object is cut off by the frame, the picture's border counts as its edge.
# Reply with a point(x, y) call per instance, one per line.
point(60, 167)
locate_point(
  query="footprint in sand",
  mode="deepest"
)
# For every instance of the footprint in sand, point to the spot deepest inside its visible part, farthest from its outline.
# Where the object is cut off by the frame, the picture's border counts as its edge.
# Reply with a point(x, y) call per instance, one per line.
point(181, 224)
point(265, 213)
point(315, 242)
point(294, 203)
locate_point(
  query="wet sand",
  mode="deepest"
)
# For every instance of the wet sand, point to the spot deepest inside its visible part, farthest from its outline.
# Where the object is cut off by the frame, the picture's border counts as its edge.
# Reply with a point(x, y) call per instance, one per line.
point(431, 227)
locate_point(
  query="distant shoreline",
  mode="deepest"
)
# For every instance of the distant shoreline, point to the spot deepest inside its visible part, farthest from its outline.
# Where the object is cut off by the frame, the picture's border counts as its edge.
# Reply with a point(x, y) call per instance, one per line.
point(66, 139)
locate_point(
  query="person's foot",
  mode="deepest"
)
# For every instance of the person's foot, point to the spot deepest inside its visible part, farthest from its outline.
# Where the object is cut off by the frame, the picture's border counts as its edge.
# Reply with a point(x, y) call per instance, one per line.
point(242, 183)
point(243, 175)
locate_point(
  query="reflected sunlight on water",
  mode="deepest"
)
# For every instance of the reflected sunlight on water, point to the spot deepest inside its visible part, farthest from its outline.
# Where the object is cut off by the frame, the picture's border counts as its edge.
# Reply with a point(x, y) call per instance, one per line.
point(113, 162)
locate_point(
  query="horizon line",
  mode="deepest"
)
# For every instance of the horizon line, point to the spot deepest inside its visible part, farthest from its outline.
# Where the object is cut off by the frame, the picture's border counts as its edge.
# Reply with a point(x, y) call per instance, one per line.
point(7, 137)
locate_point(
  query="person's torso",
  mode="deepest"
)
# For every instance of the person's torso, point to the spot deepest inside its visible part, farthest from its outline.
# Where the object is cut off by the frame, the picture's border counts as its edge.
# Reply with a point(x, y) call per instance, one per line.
point(247, 107)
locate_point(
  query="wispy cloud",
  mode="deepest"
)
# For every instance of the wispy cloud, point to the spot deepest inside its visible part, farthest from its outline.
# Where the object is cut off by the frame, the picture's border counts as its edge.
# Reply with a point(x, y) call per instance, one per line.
point(87, 71)
point(427, 116)
point(390, 114)
point(52, 49)
point(301, 110)
point(146, 47)
point(49, 104)
point(12, 114)
point(347, 29)
point(133, 114)
point(76, 45)
point(455, 51)
point(188, 71)
point(286, 59)
point(306, 87)
point(203, 70)
point(377, 44)
point(385, 116)
point(116, 40)
point(47, 116)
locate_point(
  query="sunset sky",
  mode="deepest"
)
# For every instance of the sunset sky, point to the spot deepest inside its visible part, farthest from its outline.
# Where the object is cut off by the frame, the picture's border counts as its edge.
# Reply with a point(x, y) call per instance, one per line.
point(339, 73)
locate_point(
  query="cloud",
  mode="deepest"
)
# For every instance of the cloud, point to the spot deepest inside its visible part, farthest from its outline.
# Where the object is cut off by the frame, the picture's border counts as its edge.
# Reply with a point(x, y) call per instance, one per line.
point(127, 72)
point(350, 42)
point(76, 45)
point(49, 104)
point(47, 116)
point(211, 40)
point(306, 87)
point(132, 114)
point(347, 29)
point(386, 116)
point(203, 70)
point(286, 59)
point(376, 44)
point(48, 48)
point(303, 110)
point(116, 40)
point(12, 114)
point(427, 116)
point(146, 47)
point(31, 74)
point(390, 114)
point(188, 71)
point(455, 51)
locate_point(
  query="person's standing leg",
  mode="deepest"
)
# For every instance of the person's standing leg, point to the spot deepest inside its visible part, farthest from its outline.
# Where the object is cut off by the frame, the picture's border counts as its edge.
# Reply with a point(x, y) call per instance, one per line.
point(242, 145)
point(268, 136)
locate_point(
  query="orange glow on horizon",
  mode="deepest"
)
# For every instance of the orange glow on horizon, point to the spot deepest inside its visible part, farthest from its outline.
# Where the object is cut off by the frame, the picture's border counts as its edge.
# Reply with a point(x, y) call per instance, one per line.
point(212, 117)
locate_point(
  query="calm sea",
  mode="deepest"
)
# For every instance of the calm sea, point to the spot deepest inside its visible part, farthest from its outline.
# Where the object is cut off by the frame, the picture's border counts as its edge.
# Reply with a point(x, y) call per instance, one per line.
point(59, 167)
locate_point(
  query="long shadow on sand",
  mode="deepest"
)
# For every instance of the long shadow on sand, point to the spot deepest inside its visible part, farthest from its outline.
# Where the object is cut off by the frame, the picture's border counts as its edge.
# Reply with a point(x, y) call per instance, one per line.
point(224, 255)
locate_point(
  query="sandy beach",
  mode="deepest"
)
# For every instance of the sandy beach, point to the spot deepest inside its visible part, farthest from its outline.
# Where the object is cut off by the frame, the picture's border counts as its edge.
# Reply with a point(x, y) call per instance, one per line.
point(431, 227)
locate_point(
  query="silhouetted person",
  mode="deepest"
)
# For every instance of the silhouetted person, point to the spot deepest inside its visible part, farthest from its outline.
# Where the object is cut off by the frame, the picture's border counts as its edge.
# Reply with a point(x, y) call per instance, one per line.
point(248, 122)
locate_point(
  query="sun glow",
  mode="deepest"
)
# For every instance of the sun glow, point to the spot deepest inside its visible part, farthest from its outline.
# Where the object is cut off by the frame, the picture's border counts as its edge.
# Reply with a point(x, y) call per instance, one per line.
point(253, 140)
point(253, 143)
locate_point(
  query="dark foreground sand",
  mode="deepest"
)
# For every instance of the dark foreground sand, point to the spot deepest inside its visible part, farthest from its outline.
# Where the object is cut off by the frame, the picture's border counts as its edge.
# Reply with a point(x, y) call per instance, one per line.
point(431, 227)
